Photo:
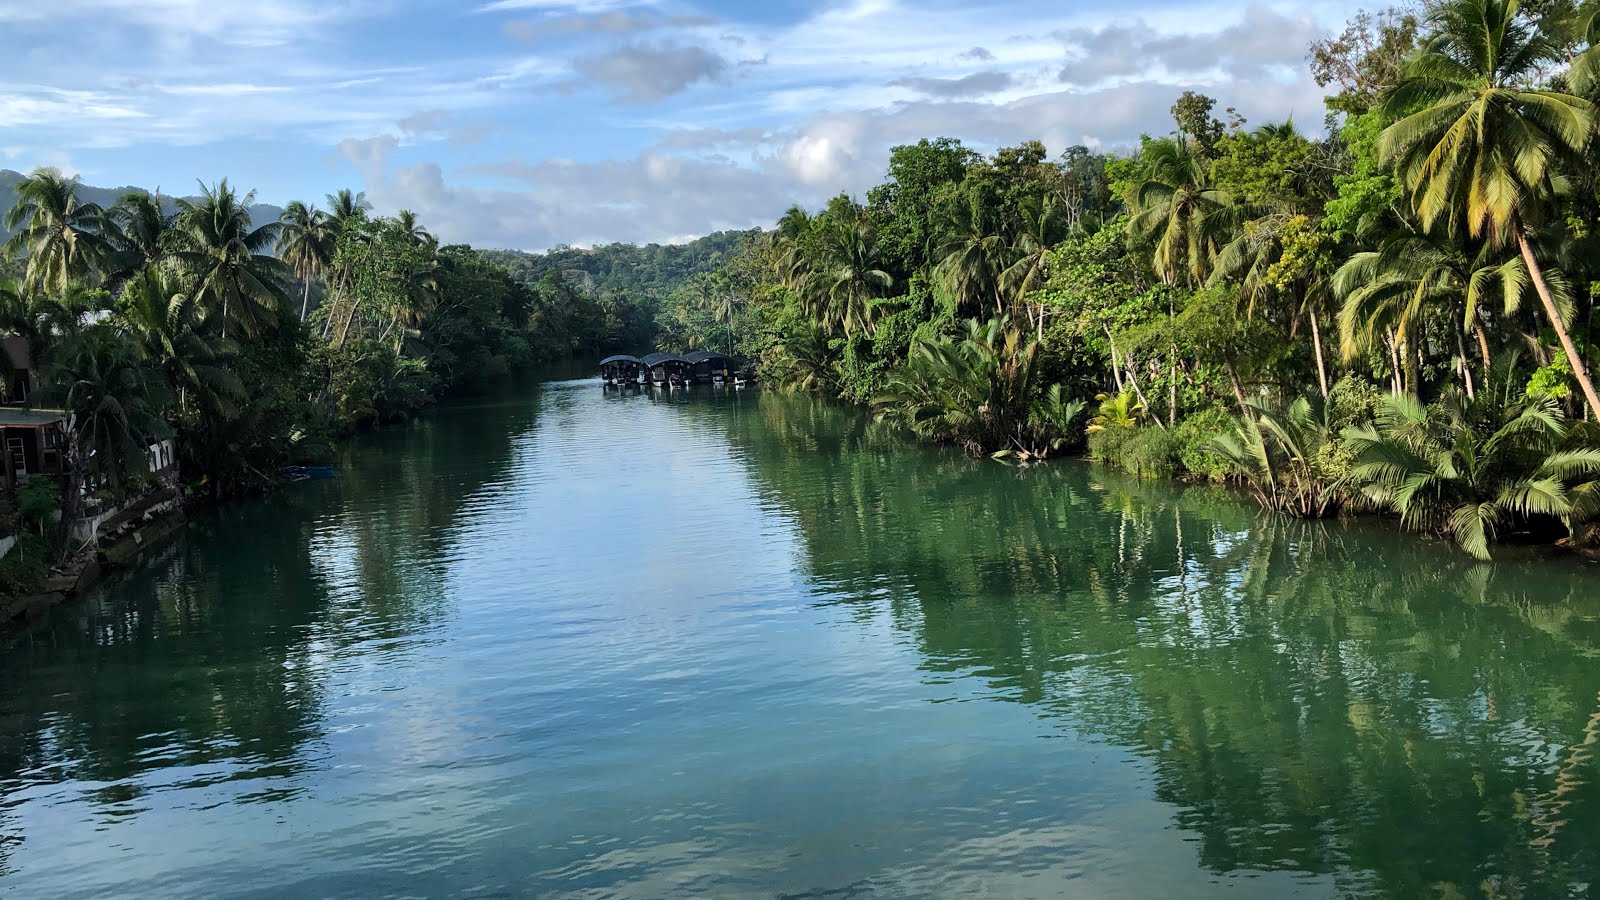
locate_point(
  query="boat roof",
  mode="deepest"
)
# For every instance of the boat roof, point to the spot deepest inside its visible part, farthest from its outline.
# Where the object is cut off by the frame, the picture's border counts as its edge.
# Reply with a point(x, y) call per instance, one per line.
point(700, 356)
point(656, 359)
point(623, 357)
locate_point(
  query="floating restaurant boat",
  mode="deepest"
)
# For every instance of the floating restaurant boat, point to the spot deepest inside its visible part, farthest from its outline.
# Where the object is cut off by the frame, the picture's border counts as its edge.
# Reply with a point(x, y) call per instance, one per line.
point(670, 370)
point(621, 370)
point(710, 367)
point(666, 369)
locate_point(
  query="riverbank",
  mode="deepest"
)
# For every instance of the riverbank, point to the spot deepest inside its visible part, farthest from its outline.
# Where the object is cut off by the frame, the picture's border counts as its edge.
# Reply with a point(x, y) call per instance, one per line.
point(119, 543)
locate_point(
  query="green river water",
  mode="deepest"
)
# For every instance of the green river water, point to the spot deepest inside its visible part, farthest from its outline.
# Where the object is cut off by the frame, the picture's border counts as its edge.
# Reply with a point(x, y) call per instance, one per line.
point(561, 642)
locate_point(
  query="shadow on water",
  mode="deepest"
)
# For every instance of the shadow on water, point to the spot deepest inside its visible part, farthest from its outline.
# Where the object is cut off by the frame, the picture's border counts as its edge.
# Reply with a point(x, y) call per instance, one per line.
point(208, 662)
point(1320, 698)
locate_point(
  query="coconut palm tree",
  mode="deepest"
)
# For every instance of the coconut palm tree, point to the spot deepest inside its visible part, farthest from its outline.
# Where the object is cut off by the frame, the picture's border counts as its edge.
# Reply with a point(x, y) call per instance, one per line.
point(103, 377)
point(1176, 207)
point(228, 258)
point(972, 262)
point(347, 216)
point(849, 276)
point(1476, 147)
point(1391, 289)
point(346, 208)
point(1281, 257)
point(305, 244)
point(715, 295)
point(61, 237)
point(407, 221)
point(137, 228)
point(1282, 453)
point(169, 326)
point(416, 298)
point(1041, 228)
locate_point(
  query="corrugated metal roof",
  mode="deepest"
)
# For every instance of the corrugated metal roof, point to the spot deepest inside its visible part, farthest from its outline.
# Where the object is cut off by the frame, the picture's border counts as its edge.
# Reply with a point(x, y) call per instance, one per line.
point(30, 418)
point(619, 358)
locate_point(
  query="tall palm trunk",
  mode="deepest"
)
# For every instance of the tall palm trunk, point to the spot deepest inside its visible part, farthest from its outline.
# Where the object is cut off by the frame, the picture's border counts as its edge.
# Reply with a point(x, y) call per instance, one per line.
point(1396, 384)
point(1483, 349)
point(1322, 365)
point(1116, 361)
point(1464, 367)
point(1579, 371)
point(1233, 379)
point(305, 300)
point(1133, 379)
point(1172, 389)
point(345, 331)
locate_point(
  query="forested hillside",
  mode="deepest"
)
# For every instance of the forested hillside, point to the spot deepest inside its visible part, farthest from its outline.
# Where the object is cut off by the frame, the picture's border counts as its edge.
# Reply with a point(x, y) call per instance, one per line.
point(653, 270)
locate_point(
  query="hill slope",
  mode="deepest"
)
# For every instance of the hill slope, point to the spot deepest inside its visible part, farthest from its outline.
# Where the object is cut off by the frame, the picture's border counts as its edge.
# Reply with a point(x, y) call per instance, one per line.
point(642, 273)
point(259, 213)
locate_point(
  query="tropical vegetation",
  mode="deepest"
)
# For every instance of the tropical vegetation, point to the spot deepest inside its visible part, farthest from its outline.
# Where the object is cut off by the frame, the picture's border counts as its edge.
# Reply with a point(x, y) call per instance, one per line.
point(256, 344)
point(1390, 314)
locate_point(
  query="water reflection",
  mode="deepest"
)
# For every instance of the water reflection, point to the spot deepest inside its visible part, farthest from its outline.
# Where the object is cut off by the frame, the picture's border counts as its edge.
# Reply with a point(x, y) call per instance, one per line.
point(1320, 698)
point(209, 664)
point(651, 643)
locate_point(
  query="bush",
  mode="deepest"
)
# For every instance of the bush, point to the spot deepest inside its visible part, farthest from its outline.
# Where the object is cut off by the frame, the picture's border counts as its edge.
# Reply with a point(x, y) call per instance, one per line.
point(1194, 435)
point(24, 569)
point(1146, 451)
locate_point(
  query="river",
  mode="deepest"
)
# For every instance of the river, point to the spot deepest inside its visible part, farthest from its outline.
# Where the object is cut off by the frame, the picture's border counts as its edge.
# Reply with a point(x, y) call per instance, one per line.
point(567, 642)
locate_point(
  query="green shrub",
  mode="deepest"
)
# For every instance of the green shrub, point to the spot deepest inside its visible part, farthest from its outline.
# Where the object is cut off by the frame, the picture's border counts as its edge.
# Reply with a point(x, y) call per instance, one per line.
point(1146, 451)
point(1194, 435)
point(24, 569)
point(38, 500)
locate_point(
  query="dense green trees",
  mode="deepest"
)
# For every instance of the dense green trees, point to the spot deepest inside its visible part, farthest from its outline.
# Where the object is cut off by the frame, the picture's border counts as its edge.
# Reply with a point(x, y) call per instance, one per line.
point(254, 342)
point(1251, 291)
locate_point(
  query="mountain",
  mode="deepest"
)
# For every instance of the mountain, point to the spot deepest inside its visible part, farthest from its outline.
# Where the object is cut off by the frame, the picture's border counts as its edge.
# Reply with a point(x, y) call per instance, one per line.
point(648, 272)
point(259, 213)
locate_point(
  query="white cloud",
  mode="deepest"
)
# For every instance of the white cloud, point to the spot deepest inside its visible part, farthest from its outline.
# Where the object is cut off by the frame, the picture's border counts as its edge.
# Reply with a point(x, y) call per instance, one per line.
point(258, 23)
point(460, 123)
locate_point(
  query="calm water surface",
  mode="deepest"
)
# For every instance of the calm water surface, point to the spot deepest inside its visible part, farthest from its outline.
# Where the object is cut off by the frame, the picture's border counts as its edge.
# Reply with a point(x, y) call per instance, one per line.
point(567, 643)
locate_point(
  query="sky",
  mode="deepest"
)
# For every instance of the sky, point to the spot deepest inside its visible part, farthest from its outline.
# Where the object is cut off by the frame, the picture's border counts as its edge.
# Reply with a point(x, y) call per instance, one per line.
point(531, 123)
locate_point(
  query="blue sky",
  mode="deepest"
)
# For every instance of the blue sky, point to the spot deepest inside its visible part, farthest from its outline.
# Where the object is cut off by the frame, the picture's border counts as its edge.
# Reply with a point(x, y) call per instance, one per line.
point(529, 123)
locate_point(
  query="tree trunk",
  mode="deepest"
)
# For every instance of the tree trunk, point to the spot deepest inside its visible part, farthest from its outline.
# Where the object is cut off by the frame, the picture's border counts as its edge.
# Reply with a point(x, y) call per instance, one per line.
point(1238, 389)
point(1483, 349)
point(305, 301)
point(345, 331)
point(1134, 380)
point(1116, 361)
point(1316, 343)
point(1465, 367)
point(1579, 370)
point(1172, 389)
point(1395, 382)
point(1413, 362)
